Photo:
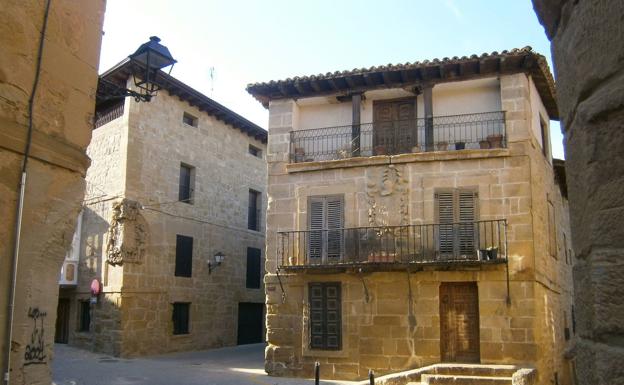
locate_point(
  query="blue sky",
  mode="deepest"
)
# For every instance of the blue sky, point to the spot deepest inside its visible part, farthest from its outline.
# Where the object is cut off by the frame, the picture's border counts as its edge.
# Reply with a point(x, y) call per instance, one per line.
point(249, 41)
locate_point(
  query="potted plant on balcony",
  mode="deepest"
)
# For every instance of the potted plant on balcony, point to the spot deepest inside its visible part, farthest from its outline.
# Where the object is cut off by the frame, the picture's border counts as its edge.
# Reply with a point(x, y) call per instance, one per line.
point(488, 254)
point(484, 144)
point(460, 145)
point(442, 146)
point(496, 141)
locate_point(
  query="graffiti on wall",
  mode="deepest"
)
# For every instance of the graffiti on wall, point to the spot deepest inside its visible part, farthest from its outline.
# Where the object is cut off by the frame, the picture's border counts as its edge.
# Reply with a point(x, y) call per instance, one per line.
point(35, 349)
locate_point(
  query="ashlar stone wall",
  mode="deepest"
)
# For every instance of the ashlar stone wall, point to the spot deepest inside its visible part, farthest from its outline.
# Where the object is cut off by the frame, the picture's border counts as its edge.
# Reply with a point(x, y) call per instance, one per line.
point(62, 120)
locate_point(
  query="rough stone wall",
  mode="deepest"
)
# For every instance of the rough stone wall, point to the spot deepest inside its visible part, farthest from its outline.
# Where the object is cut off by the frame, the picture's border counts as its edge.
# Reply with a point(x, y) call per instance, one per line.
point(137, 159)
point(512, 183)
point(589, 60)
point(62, 116)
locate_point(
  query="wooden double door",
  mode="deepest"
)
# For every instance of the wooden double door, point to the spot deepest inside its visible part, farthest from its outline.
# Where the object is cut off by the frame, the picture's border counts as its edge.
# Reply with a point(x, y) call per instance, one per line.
point(459, 322)
point(394, 126)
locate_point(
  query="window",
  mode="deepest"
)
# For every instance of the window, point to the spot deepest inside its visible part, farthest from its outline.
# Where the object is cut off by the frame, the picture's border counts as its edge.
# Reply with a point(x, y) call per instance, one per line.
point(253, 268)
point(189, 119)
point(181, 317)
point(325, 219)
point(552, 232)
point(545, 137)
point(184, 256)
point(325, 315)
point(187, 181)
point(253, 216)
point(456, 212)
point(84, 324)
point(255, 151)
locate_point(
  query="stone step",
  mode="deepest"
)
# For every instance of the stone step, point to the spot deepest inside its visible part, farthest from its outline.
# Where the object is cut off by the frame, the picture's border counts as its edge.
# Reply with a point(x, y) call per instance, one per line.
point(443, 379)
point(476, 370)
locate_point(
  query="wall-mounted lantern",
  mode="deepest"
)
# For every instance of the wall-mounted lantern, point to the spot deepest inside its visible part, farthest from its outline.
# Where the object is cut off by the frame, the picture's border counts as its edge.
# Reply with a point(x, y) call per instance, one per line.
point(148, 59)
point(216, 261)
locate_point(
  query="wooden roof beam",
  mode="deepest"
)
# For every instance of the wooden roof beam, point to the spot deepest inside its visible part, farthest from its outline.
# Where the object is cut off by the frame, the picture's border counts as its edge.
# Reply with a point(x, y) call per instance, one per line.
point(316, 86)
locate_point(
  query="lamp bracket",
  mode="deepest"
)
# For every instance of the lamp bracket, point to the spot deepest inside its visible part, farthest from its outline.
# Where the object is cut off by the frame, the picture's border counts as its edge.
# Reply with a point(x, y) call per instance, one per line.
point(108, 90)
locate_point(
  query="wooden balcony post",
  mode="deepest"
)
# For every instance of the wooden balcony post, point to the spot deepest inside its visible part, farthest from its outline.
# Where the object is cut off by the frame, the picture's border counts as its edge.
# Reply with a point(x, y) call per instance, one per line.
point(428, 102)
point(356, 100)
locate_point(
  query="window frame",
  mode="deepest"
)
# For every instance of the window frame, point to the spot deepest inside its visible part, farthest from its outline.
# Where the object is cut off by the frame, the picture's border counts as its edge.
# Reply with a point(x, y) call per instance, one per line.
point(177, 328)
point(190, 119)
point(255, 213)
point(456, 213)
point(186, 194)
point(250, 280)
point(255, 151)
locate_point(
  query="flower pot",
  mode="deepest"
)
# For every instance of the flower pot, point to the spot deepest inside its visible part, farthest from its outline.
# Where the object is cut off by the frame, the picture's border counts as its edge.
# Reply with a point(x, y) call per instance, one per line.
point(380, 150)
point(484, 144)
point(299, 154)
point(492, 254)
point(442, 146)
point(416, 149)
point(460, 145)
point(483, 255)
point(496, 141)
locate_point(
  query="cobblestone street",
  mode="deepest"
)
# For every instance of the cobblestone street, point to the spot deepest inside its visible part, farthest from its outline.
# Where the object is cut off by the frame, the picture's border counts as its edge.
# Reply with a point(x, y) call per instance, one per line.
point(227, 366)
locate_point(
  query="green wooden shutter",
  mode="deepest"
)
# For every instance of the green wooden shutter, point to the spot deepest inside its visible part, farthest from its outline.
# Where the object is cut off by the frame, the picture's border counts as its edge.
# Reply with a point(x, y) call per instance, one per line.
point(334, 220)
point(446, 217)
point(316, 224)
point(467, 215)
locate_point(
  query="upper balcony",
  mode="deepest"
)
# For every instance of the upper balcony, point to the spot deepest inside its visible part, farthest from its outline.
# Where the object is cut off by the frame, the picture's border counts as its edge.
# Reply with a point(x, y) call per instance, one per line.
point(469, 243)
point(393, 137)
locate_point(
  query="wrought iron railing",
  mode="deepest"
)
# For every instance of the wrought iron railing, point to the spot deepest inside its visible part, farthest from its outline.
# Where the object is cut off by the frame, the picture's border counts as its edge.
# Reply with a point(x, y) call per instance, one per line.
point(440, 133)
point(109, 114)
point(478, 241)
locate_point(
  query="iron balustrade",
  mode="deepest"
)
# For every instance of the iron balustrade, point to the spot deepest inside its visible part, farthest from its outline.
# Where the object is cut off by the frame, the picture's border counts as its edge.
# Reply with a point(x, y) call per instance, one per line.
point(478, 241)
point(440, 133)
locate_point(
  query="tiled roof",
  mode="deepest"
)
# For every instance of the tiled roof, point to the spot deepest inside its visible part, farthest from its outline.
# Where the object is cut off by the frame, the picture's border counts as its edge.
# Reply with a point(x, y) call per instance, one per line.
point(120, 73)
point(428, 71)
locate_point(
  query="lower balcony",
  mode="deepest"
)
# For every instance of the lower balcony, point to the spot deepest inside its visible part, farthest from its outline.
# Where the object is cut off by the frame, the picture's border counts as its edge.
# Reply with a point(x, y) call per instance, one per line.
point(395, 247)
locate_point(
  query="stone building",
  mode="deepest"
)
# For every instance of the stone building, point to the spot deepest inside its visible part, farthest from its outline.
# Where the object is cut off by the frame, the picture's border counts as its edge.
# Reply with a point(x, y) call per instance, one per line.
point(49, 53)
point(415, 217)
point(172, 229)
point(588, 60)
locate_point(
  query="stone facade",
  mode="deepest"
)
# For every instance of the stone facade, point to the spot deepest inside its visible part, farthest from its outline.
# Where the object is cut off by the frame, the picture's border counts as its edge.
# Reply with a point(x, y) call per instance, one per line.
point(589, 80)
point(62, 119)
point(391, 316)
point(132, 217)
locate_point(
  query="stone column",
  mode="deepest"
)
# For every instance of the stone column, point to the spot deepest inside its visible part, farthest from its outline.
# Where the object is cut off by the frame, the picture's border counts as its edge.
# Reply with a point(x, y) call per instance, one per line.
point(589, 65)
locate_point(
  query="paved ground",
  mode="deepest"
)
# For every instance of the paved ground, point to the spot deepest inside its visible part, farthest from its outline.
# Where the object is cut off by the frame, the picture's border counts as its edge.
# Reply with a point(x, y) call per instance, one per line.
point(240, 365)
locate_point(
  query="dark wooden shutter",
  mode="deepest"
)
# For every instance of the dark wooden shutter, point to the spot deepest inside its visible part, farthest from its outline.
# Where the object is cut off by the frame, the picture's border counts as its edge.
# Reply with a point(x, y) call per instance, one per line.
point(315, 225)
point(446, 217)
point(184, 256)
point(253, 268)
point(85, 316)
point(325, 315)
point(253, 214)
point(184, 193)
point(181, 318)
point(466, 216)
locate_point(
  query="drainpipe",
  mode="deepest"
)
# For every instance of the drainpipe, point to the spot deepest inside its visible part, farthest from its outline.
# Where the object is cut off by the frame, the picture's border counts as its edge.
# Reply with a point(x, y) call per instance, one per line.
point(20, 202)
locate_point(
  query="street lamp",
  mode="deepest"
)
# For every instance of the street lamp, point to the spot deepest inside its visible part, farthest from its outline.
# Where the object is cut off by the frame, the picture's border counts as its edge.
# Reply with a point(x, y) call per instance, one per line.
point(218, 258)
point(148, 59)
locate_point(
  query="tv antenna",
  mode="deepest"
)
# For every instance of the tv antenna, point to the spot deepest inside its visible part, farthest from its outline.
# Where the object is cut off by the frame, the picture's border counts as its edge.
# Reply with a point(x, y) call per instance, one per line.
point(211, 71)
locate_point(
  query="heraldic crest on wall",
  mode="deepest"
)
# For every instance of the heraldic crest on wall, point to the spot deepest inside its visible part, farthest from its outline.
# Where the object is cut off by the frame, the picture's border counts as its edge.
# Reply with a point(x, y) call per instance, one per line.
point(127, 235)
point(386, 194)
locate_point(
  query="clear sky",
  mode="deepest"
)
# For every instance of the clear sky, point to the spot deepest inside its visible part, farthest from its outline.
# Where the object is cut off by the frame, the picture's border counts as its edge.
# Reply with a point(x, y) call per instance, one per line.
point(249, 41)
